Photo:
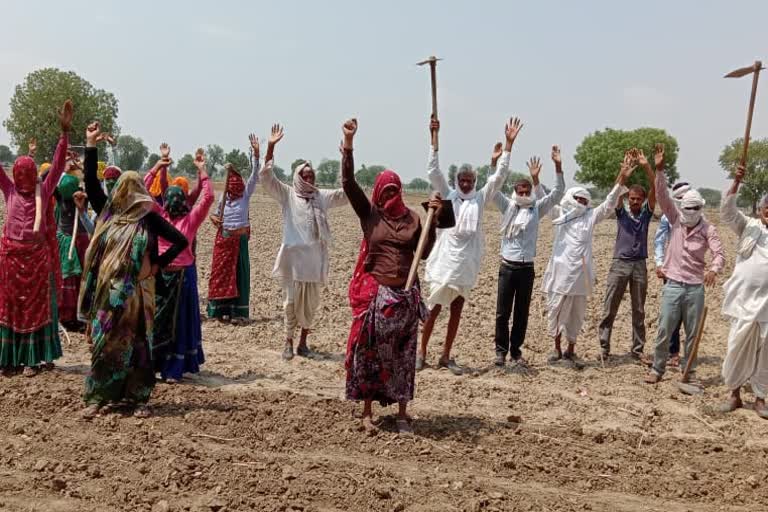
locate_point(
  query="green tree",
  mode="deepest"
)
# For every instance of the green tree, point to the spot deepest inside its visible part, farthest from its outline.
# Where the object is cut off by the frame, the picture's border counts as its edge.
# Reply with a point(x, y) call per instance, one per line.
point(186, 165)
point(600, 154)
point(418, 184)
point(711, 196)
point(214, 156)
point(152, 160)
point(366, 176)
point(328, 172)
point(6, 155)
point(755, 183)
point(483, 173)
point(131, 152)
point(239, 160)
point(35, 103)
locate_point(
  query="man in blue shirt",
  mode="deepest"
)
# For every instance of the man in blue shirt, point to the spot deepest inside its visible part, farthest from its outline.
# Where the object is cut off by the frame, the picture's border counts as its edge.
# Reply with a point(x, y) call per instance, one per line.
point(628, 267)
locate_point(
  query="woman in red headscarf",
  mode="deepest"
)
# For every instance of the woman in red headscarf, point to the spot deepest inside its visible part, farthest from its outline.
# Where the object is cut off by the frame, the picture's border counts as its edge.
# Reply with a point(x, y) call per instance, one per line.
point(28, 332)
point(381, 349)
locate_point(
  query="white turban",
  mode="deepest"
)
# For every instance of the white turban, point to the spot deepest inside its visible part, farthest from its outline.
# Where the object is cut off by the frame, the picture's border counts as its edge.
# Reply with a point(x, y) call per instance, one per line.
point(571, 207)
point(680, 191)
point(691, 199)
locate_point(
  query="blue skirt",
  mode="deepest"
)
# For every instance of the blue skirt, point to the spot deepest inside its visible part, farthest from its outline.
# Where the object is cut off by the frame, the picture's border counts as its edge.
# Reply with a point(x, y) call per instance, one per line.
point(183, 352)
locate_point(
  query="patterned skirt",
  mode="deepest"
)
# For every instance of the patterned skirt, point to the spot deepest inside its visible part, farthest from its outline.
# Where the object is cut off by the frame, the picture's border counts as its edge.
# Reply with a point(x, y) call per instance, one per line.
point(229, 288)
point(382, 360)
point(72, 271)
point(178, 340)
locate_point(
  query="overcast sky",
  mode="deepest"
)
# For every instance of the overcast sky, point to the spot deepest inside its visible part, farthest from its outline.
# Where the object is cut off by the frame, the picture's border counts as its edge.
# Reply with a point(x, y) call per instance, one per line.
point(194, 73)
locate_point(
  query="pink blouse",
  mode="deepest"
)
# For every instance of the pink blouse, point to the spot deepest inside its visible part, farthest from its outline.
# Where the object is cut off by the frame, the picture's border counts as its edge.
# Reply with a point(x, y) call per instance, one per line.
point(189, 224)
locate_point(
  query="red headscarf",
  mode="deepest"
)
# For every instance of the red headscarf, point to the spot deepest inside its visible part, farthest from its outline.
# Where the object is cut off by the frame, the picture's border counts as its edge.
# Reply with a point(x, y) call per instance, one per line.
point(25, 175)
point(394, 208)
point(112, 173)
point(235, 185)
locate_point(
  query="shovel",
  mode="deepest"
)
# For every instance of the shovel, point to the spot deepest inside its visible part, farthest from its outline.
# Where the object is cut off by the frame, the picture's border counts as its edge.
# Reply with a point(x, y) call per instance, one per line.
point(684, 385)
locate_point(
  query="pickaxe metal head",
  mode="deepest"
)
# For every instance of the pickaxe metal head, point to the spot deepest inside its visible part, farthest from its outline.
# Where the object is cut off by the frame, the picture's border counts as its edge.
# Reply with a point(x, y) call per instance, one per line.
point(738, 73)
point(430, 60)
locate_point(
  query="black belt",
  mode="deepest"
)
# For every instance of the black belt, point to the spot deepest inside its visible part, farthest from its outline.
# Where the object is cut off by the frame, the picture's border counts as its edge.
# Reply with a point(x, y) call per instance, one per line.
point(517, 264)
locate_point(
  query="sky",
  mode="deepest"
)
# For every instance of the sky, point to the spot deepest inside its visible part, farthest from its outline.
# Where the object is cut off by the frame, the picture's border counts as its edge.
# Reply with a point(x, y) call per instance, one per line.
point(195, 73)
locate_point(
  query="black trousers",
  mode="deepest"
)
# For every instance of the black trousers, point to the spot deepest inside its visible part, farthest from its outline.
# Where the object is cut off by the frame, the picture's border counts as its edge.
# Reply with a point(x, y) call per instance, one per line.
point(515, 290)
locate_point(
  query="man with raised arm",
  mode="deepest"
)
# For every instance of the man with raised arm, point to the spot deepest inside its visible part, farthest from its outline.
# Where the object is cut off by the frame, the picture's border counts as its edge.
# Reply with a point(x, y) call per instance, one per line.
point(685, 268)
point(454, 264)
point(302, 262)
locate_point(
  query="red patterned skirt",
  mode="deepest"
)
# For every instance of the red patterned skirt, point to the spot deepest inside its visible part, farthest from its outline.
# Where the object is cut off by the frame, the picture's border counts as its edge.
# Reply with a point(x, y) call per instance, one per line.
point(25, 291)
point(226, 251)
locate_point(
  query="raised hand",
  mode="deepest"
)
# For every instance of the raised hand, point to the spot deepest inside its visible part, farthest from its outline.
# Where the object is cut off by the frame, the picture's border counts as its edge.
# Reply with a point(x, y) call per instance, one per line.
point(66, 114)
point(32, 147)
point(165, 151)
point(741, 171)
point(436, 203)
point(534, 167)
point(557, 158)
point(658, 156)
point(276, 135)
point(350, 127)
point(92, 133)
point(628, 166)
point(200, 160)
point(641, 159)
point(254, 140)
point(80, 199)
point(496, 154)
point(512, 129)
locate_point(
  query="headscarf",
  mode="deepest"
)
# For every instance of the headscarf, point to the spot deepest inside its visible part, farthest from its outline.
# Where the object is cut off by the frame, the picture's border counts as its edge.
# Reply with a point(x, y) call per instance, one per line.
point(156, 187)
point(43, 168)
point(691, 199)
point(175, 202)
point(26, 182)
point(235, 187)
point(112, 172)
point(573, 209)
point(679, 190)
point(68, 186)
point(318, 216)
point(114, 258)
point(394, 208)
point(511, 224)
point(182, 183)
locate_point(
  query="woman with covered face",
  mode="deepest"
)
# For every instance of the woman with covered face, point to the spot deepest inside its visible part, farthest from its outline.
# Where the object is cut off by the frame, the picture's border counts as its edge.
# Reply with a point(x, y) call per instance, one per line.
point(454, 264)
point(570, 276)
point(381, 349)
point(178, 338)
point(521, 214)
point(28, 325)
point(302, 263)
point(117, 295)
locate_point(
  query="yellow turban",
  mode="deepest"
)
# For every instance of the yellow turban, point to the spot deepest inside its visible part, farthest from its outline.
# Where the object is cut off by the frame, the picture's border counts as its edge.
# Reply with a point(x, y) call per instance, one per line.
point(182, 183)
point(43, 168)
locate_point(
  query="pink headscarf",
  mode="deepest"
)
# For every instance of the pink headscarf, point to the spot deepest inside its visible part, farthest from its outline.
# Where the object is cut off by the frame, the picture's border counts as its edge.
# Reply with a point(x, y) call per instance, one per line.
point(394, 208)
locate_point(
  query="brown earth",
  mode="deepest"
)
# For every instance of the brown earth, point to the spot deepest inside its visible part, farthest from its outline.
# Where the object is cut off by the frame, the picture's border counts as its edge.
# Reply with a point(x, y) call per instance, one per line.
point(252, 432)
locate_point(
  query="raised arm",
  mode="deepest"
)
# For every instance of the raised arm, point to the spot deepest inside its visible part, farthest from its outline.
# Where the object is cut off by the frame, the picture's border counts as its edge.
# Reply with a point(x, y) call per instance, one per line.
point(549, 201)
point(81, 201)
point(496, 180)
point(96, 195)
point(161, 228)
point(274, 187)
point(200, 209)
point(253, 179)
point(606, 207)
point(643, 161)
point(355, 194)
point(435, 175)
point(6, 185)
point(666, 203)
point(729, 210)
point(59, 163)
point(160, 166)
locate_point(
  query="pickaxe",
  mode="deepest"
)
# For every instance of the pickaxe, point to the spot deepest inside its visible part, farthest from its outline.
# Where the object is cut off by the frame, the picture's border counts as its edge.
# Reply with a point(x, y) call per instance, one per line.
point(755, 70)
point(432, 61)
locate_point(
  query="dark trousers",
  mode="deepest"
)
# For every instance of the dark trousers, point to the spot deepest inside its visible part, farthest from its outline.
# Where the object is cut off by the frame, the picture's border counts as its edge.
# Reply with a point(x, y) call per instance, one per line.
point(515, 289)
point(623, 274)
point(674, 340)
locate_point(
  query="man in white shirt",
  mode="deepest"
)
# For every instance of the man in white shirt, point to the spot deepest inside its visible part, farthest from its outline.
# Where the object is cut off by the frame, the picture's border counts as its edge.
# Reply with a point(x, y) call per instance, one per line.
point(454, 263)
point(302, 262)
point(521, 214)
point(569, 278)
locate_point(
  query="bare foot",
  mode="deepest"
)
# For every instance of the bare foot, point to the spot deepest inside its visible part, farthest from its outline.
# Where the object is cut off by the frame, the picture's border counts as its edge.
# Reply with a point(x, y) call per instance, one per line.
point(30, 371)
point(91, 411)
point(368, 426)
point(142, 411)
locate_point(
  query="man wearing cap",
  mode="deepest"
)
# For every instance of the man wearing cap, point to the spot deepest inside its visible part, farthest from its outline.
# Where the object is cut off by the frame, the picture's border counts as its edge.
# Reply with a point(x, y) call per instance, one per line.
point(569, 278)
point(302, 262)
point(685, 269)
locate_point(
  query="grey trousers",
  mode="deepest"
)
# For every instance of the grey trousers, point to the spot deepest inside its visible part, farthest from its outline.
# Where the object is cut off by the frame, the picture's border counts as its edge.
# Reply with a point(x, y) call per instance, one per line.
point(621, 274)
point(678, 300)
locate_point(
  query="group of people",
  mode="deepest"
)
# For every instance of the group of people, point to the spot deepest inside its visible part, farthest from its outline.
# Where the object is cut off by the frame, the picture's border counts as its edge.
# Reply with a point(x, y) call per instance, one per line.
point(130, 274)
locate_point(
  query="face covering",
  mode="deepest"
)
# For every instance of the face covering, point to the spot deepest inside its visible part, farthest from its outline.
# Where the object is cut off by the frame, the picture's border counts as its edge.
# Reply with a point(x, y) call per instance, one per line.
point(572, 208)
point(692, 198)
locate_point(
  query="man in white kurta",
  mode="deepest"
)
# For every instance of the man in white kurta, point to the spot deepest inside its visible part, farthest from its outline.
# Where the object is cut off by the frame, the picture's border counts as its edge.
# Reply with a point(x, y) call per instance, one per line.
point(570, 277)
point(302, 262)
point(745, 304)
point(454, 263)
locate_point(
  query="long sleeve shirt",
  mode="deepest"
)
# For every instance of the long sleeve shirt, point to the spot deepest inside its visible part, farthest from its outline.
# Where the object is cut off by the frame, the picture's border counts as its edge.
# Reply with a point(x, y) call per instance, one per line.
point(303, 255)
point(149, 178)
point(456, 258)
point(522, 247)
point(20, 209)
point(236, 211)
point(684, 259)
point(660, 240)
point(391, 244)
point(156, 225)
point(189, 224)
point(570, 270)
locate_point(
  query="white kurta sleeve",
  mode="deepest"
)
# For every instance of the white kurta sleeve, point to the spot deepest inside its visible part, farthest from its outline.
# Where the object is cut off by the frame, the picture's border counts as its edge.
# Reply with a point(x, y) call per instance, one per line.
point(496, 180)
point(606, 207)
point(274, 187)
point(436, 176)
point(335, 198)
point(730, 214)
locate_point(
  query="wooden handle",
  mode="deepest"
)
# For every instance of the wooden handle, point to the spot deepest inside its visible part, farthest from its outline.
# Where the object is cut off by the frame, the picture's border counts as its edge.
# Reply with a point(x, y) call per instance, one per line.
point(750, 112)
point(74, 236)
point(695, 349)
point(433, 74)
point(419, 250)
point(224, 198)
